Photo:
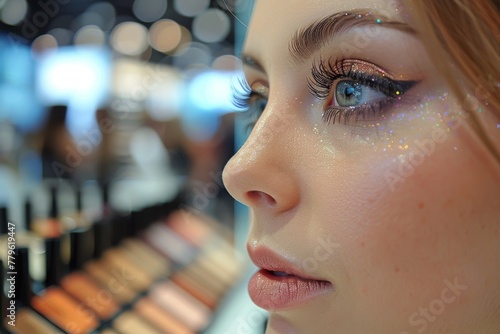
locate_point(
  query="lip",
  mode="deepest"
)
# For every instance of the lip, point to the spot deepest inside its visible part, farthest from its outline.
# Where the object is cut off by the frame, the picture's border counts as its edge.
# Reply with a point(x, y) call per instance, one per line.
point(274, 293)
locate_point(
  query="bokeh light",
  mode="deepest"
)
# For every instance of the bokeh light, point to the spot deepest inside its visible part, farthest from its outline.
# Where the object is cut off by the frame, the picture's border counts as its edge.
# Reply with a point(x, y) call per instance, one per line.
point(149, 10)
point(129, 38)
point(44, 43)
point(128, 79)
point(90, 35)
point(62, 36)
point(107, 12)
point(196, 53)
point(166, 96)
point(165, 35)
point(212, 91)
point(212, 26)
point(85, 19)
point(227, 63)
point(186, 40)
point(14, 11)
point(191, 8)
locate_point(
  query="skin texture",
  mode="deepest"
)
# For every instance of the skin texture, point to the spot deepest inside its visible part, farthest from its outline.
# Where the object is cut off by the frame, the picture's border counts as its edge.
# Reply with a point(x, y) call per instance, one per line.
point(408, 210)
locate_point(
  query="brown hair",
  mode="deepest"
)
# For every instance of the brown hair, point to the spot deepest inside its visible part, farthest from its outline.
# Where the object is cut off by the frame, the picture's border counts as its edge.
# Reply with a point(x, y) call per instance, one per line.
point(464, 36)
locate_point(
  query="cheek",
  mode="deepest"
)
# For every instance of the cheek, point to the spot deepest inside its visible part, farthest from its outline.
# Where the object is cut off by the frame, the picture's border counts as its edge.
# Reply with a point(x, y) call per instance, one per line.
point(367, 174)
point(401, 239)
point(420, 236)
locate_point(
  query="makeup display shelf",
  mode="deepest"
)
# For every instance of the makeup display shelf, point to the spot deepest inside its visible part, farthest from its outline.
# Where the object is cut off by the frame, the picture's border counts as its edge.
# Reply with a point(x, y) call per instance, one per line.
point(157, 270)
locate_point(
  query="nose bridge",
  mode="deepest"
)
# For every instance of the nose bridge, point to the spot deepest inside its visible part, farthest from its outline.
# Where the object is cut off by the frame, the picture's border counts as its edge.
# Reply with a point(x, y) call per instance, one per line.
point(269, 133)
point(269, 138)
point(260, 171)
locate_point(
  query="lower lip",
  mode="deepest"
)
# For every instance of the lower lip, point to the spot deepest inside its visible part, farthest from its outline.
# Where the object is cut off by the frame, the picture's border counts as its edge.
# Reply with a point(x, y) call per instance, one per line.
point(274, 293)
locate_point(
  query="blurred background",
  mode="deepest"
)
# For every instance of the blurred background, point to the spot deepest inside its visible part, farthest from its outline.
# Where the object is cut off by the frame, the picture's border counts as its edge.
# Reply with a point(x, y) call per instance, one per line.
point(114, 117)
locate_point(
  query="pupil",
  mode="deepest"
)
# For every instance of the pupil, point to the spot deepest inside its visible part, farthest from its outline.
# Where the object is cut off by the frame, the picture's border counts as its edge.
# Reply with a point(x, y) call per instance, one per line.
point(349, 91)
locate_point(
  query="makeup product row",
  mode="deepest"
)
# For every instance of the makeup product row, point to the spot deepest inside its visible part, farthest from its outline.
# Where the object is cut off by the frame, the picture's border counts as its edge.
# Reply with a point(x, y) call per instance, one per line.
point(157, 270)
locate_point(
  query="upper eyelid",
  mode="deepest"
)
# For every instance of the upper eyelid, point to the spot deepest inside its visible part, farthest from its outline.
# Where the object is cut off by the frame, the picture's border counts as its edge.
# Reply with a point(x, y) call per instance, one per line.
point(325, 72)
point(342, 69)
point(264, 92)
point(264, 88)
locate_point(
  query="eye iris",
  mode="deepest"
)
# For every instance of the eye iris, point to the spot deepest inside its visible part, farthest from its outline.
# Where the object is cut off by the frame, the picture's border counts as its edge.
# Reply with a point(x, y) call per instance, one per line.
point(261, 104)
point(348, 93)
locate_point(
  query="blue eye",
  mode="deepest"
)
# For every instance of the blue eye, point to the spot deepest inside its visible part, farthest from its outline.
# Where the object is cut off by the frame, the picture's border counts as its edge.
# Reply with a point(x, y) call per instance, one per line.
point(258, 104)
point(354, 89)
point(349, 93)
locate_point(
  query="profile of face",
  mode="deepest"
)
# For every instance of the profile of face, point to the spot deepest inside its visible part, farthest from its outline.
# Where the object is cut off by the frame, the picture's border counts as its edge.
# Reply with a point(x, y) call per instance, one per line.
point(374, 206)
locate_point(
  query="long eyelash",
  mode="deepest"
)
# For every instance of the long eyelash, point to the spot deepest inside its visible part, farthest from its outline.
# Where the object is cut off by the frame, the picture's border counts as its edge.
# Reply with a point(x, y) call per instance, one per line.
point(325, 73)
point(335, 114)
point(241, 94)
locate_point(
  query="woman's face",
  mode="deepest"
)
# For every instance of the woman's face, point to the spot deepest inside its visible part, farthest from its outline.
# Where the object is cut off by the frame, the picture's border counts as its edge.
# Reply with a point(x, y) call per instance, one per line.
point(375, 208)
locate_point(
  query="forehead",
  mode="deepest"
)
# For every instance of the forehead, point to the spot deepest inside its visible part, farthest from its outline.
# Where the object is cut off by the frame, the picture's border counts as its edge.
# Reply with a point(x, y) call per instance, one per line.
point(274, 22)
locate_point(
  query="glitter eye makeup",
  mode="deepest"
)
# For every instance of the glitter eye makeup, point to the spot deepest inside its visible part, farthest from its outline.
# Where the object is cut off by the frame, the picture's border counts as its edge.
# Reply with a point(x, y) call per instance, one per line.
point(354, 89)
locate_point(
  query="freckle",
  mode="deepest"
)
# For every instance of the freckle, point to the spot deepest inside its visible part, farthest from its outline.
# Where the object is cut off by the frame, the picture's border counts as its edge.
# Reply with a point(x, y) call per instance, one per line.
point(396, 269)
point(362, 244)
point(421, 205)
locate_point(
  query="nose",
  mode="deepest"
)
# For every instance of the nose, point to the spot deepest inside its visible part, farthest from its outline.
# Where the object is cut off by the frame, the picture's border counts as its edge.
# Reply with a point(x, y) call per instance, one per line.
point(260, 174)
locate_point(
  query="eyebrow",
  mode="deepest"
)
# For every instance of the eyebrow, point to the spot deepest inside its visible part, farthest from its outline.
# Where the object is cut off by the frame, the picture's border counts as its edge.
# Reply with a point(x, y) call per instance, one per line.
point(308, 40)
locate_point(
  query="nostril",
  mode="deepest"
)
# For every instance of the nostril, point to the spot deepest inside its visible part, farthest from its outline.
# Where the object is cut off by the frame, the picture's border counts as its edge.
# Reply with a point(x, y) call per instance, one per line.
point(260, 197)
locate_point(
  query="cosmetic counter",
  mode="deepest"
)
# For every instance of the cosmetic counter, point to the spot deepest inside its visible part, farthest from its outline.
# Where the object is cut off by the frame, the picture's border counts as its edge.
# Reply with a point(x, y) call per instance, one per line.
point(158, 269)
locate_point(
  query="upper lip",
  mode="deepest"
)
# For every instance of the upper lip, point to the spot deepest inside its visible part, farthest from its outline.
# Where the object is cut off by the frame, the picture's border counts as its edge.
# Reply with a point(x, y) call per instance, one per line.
point(266, 259)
